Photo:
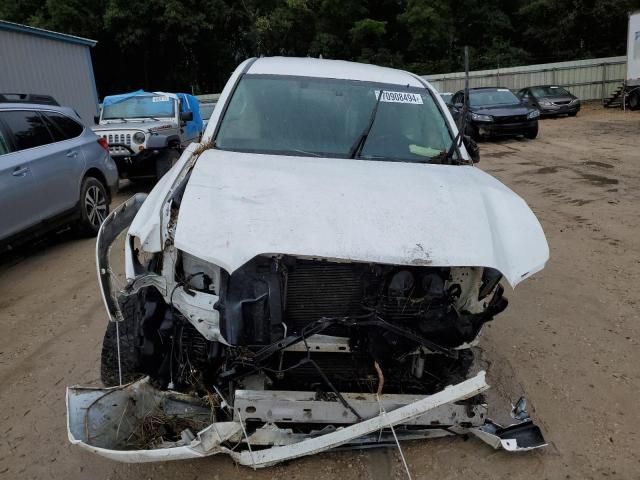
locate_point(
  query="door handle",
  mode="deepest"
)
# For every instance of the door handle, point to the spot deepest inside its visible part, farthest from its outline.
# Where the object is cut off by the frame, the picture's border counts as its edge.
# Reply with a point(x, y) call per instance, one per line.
point(20, 171)
point(72, 153)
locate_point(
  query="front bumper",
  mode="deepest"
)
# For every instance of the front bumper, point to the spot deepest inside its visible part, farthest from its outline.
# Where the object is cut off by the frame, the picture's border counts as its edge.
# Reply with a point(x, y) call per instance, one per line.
point(102, 420)
point(555, 110)
point(138, 165)
point(505, 129)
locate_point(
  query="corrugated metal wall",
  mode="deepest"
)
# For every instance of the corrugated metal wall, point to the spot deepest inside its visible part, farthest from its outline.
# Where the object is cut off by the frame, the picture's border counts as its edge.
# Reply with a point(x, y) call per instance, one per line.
point(31, 64)
point(587, 79)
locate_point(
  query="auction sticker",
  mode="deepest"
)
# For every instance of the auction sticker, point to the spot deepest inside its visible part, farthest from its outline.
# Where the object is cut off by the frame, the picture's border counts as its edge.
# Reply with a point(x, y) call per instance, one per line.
point(399, 97)
point(160, 99)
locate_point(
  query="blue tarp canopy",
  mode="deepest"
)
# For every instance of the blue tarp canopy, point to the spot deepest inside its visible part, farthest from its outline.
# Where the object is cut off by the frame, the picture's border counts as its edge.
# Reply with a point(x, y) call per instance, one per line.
point(189, 103)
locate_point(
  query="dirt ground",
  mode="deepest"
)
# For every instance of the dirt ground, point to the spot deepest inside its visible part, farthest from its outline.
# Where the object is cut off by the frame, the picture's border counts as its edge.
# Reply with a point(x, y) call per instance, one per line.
point(570, 338)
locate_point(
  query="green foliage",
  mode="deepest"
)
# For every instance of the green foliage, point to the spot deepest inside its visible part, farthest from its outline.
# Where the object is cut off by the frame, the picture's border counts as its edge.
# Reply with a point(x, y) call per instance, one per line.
point(185, 45)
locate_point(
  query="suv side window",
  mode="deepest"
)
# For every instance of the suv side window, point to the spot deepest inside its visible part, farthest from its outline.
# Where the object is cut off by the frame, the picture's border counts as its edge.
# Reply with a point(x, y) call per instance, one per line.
point(62, 127)
point(28, 128)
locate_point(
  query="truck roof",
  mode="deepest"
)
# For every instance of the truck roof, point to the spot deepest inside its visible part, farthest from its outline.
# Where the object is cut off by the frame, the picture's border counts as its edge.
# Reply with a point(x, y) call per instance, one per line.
point(339, 69)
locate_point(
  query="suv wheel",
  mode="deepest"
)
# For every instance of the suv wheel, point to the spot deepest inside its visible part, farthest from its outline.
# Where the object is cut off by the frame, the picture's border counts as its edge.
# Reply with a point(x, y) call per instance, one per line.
point(166, 160)
point(94, 206)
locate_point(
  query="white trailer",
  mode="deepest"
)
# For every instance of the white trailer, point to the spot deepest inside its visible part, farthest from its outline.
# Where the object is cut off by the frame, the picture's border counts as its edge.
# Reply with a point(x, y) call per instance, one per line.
point(631, 96)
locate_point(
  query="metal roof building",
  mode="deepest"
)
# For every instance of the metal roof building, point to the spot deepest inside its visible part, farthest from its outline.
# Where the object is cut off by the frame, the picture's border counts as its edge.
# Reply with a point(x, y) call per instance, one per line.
point(34, 60)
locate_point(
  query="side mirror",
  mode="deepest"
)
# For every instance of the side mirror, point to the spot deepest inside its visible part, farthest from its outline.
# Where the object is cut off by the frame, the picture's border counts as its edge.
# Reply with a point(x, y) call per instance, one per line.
point(96, 119)
point(472, 147)
point(186, 116)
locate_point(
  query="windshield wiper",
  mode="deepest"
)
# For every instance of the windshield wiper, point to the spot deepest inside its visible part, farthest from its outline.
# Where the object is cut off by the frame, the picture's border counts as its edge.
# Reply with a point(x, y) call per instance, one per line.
point(117, 118)
point(357, 147)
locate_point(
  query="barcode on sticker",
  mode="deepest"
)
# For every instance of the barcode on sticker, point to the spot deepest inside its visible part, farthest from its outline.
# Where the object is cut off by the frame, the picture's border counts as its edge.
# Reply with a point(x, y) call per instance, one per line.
point(160, 99)
point(399, 97)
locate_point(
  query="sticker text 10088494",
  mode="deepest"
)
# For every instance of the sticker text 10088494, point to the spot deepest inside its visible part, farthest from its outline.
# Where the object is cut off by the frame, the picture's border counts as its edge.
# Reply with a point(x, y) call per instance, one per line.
point(400, 97)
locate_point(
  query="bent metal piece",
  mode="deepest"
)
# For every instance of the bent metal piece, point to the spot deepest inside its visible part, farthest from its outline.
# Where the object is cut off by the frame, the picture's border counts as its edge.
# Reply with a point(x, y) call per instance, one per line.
point(99, 419)
point(114, 225)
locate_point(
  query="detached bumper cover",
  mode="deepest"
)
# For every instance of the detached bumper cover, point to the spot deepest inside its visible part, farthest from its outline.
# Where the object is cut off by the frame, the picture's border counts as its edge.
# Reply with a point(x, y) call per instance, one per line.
point(101, 420)
point(113, 225)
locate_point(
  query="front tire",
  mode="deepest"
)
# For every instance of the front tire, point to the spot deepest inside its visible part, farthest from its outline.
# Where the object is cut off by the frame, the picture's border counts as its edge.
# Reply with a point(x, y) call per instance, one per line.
point(532, 133)
point(166, 160)
point(634, 100)
point(94, 206)
point(129, 332)
point(472, 132)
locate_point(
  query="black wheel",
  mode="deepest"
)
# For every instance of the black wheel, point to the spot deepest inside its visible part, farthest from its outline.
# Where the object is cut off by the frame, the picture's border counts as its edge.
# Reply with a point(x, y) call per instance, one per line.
point(165, 161)
point(532, 133)
point(472, 132)
point(94, 206)
point(634, 100)
point(130, 341)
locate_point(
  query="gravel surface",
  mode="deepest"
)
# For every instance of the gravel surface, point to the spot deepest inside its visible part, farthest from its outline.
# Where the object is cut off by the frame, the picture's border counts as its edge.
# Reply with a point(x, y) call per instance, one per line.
point(569, 338)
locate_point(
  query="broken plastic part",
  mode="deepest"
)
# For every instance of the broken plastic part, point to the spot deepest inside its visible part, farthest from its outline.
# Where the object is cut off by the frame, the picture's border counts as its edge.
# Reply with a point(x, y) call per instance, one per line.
point(99, 419)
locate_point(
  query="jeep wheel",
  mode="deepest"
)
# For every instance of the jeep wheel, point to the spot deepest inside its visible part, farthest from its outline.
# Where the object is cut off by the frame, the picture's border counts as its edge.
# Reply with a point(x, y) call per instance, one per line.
point(165, 161)
point(129, 345)
point(93, 205)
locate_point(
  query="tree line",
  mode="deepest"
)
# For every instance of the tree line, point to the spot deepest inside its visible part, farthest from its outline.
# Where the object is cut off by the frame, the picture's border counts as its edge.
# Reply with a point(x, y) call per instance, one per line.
point(193, 45)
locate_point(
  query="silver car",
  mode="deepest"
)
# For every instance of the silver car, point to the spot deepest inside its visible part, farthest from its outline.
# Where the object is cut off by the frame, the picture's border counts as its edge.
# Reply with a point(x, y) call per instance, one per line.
point(54, 171)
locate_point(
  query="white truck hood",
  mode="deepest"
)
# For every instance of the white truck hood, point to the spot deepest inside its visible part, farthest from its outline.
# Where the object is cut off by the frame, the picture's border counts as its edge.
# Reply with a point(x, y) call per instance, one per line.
point(239, 205)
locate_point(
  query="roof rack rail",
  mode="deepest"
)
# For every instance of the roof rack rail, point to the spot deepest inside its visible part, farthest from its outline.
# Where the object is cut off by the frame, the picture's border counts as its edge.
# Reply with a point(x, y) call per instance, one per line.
point(28, 98)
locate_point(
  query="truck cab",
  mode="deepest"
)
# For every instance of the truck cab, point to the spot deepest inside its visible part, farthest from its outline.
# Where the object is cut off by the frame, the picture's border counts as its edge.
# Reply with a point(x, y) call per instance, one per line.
point(147, 131)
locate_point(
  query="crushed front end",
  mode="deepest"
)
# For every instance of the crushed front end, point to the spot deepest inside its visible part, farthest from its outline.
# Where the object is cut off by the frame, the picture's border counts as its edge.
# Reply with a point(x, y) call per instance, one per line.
point(286, 356)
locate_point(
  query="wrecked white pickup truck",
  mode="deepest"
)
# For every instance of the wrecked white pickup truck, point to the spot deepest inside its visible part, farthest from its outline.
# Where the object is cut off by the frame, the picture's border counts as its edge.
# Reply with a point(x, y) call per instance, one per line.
point(312, 275)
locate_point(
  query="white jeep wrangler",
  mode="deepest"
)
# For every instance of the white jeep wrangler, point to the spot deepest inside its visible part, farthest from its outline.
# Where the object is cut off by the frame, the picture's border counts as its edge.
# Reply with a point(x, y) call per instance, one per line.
point(147, 131)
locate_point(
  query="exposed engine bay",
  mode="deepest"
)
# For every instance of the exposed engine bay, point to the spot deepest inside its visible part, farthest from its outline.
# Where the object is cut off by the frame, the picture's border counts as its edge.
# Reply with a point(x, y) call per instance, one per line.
point(317, 325)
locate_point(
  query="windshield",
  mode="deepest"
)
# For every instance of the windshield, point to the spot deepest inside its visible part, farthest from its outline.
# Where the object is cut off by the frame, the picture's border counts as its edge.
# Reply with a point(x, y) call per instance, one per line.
point(325, 117)
point(206, 109)
point(541, 92)
point(488, 98)
point(140, 107)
